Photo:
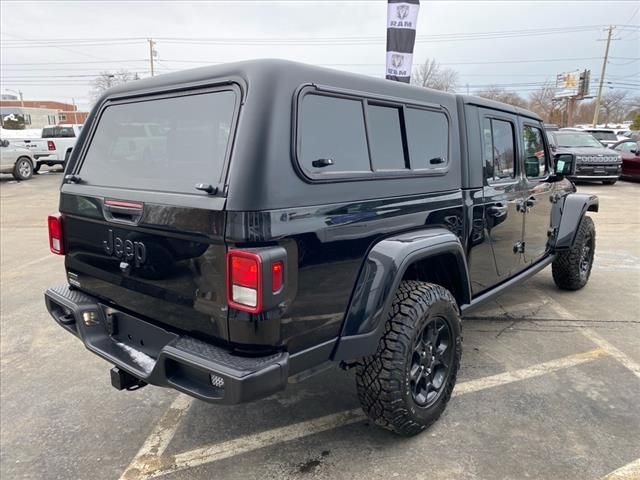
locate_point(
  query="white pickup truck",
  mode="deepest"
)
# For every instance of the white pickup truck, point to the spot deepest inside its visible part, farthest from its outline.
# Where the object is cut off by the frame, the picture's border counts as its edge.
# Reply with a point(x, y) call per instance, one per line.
point(54, 147)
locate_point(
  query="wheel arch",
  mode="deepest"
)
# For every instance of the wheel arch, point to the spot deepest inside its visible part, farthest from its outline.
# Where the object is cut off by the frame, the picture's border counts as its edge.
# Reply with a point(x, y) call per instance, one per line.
point(575, 206)
point(419, 255)
point(25, 157)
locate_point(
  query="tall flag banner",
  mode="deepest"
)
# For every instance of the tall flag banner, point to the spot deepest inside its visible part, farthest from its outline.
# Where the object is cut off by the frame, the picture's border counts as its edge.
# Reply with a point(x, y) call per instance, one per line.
point(402, 17)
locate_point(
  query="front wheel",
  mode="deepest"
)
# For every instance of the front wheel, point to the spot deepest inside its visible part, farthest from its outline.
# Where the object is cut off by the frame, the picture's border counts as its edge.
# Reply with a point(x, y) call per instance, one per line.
point(571, 269)
point(406, 385)
point(23, 170)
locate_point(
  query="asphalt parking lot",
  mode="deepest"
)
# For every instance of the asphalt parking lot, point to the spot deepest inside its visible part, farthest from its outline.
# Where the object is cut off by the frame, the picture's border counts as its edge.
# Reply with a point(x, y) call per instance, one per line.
point(549, 386)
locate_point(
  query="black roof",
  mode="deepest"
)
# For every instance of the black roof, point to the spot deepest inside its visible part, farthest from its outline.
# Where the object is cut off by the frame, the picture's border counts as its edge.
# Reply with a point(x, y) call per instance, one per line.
point(260, 70)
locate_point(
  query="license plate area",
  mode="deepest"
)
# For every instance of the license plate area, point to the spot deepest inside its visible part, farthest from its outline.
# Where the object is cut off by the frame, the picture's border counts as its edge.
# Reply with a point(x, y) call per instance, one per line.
point(136, 333)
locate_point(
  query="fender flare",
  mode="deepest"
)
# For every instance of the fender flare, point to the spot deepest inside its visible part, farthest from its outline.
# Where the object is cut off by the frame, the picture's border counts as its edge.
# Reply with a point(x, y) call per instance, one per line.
point(379, 278)
point(575, 206)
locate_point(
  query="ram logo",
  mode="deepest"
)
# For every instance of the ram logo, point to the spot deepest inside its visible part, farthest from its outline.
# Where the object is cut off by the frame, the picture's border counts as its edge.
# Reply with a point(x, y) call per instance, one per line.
point(402, 11)
point(397, 60)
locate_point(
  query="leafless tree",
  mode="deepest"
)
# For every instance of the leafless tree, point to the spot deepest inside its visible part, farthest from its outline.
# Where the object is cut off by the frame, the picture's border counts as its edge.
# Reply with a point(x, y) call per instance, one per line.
point(501, 95)
point(584, 112)
point(541, 102)
point(430, 75)
point(614, 106)
point(106, 80)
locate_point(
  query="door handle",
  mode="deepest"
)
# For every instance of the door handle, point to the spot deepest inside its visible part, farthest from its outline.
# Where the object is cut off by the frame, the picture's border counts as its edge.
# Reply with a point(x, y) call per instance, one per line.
point(497, 210)
point(122, 211)
point(322, 162)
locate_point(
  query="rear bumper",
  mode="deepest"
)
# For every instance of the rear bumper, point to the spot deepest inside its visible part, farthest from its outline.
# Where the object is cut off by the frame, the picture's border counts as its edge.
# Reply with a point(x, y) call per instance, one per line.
point(46, 158)
point(164, 358)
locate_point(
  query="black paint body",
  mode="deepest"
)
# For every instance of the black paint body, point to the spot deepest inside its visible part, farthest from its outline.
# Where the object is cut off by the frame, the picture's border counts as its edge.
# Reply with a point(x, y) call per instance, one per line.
point(349, 242)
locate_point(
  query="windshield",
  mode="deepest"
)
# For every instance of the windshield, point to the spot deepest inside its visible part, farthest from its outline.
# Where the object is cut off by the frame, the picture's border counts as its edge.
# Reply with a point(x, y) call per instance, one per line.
point(605, 135)
point(164, 144)
point(575, 139)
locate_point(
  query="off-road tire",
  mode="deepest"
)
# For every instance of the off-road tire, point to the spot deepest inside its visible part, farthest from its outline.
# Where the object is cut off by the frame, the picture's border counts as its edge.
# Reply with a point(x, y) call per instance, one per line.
point(609, 182)
point(383, 379)
point(23, 169)
point(569, 269)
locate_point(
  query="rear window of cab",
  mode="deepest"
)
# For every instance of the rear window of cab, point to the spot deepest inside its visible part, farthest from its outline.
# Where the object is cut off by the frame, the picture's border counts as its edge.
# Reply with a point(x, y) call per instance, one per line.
point(165, 143)
point(351, 137)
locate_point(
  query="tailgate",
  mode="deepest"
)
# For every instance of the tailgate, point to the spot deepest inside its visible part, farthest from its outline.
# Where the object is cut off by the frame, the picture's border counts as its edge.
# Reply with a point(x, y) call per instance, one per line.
point(143, 216)
point(168, 267)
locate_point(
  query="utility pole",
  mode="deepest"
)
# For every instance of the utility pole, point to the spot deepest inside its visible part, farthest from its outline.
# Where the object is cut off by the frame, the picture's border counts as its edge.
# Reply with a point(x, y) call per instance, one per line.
point(604, 69)
point(75, 109)
point(152, 53)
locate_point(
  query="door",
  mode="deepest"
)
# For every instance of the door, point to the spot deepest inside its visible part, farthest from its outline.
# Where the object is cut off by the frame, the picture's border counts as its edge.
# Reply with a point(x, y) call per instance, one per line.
point(502, 192)
point(537, 193)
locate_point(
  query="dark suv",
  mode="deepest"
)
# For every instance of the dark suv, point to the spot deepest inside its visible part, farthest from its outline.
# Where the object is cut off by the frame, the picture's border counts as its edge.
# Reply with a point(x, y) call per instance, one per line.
point(593, 161)
point(283, 216)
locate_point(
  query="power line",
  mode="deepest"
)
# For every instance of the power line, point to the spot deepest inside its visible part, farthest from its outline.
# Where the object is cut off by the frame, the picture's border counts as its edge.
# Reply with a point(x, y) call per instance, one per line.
point(45, 43)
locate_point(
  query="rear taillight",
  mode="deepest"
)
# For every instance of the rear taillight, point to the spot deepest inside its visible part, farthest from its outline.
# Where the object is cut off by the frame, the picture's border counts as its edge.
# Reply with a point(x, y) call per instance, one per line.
point(277, 276)
point(256, 278)
point(51, 145)
point(244, 282)
point(55, 234)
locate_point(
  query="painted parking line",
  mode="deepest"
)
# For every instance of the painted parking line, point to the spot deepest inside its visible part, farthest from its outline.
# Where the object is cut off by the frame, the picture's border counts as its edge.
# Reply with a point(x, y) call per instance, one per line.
point(237, 446)
point(529, 372)
point(630, 471)
point(150, 463)
point(150, 454)
point(596, 338)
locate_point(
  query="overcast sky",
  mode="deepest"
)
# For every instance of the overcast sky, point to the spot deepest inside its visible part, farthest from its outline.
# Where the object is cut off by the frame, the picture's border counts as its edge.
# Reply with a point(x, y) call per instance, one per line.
point(345, 35)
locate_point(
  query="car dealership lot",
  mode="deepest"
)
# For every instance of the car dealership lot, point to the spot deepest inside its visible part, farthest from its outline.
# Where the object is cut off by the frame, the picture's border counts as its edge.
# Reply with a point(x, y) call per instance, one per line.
point(548, 388)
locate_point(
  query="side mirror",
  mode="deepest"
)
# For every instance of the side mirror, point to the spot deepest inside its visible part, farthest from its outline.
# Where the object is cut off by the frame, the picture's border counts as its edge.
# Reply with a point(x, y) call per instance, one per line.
point(634, 149)
point(564, 164)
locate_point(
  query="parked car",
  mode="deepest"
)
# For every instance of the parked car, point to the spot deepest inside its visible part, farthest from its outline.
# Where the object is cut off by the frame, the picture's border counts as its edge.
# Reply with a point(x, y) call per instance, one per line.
point(623, 134)
point(60, 142)
point(630, 152)
point(54, 147)
point(634, 135)
point(551, 127)
point(211, 272)
point(605, 136)
point(15, 160)
point(593, 160)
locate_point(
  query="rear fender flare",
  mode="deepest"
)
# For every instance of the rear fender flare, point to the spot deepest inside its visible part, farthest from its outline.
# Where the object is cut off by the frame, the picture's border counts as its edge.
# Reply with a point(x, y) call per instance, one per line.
point(379, 278)
point(575, 206)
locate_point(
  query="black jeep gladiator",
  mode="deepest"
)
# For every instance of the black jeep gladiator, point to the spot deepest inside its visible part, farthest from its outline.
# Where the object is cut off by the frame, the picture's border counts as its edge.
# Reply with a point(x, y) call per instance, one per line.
point(228, 228)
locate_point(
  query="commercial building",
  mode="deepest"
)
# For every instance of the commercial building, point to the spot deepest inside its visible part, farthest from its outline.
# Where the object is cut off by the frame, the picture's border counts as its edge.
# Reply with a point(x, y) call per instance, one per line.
point(38, 113)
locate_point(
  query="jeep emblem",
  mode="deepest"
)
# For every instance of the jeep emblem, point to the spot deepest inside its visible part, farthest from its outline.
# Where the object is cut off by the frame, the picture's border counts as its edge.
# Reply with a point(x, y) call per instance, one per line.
point(125, 250)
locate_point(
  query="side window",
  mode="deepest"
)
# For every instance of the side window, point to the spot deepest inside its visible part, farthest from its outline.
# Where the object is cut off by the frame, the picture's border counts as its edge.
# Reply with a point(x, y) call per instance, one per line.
point(535, 161)
point(427, 138)
point(498, 149)
point(625, 147)
point(332, 133)
point(362, 137)
point(385, 137)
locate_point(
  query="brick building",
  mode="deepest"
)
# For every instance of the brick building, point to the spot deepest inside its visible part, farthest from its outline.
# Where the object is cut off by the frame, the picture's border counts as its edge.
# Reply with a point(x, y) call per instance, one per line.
point(41, 113)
